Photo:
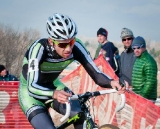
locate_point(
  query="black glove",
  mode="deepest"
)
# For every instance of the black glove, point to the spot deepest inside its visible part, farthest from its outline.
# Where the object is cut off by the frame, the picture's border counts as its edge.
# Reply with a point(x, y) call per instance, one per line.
point(122, 82)
point(66, 89)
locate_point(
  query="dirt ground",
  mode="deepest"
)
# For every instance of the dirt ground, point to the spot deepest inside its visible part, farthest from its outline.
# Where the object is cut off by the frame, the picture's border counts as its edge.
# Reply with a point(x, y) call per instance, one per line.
point(56, 118)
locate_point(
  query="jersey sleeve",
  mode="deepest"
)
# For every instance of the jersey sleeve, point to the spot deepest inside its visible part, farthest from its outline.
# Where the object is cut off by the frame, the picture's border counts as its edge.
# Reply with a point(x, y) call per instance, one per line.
point(34, 57)
point(83, 56)
point(58, 84)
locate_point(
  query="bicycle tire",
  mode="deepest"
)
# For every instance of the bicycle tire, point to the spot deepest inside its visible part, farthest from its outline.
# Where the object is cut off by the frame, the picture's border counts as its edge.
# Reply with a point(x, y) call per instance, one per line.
point(108, 126)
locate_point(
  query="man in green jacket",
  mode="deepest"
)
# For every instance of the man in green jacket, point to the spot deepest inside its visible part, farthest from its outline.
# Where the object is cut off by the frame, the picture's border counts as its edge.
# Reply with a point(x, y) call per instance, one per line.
point(144, 74)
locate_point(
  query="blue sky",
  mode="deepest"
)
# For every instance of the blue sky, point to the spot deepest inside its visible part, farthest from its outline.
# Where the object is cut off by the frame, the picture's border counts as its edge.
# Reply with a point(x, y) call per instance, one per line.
point(141, 16)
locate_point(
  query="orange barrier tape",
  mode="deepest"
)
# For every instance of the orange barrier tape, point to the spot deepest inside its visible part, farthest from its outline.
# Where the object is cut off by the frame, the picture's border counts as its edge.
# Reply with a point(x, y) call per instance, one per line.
point(11, 115)
point(138, 113)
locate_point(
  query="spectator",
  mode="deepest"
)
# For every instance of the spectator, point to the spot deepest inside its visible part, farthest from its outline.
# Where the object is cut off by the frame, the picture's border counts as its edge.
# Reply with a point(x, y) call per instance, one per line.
point(144, 75)
point(5, 76)
point(105, 47)
point(127, 57)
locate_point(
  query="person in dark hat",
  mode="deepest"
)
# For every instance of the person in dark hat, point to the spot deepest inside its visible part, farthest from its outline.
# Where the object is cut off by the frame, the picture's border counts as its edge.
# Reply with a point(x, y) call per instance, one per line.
point(144, 74)
point(5, 76)
point(106, 48)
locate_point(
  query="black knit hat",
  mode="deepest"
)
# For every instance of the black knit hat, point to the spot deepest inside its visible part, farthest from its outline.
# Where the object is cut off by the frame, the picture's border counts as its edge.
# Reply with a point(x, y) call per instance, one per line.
point(102, 31)
point(2, 68)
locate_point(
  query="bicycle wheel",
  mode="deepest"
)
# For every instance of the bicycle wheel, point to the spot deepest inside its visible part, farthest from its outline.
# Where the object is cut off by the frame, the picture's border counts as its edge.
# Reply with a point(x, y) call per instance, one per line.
point(108, 126)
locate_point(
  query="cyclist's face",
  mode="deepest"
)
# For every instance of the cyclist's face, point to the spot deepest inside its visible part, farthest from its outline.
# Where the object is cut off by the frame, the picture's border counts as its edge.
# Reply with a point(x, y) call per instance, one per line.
point(101, 38)
point(127, 41)
point(63, 48)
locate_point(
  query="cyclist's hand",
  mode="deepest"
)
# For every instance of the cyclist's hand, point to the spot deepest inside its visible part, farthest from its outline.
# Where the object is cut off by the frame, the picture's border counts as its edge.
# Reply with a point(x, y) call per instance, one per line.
point(61, 96)
point(116, 85)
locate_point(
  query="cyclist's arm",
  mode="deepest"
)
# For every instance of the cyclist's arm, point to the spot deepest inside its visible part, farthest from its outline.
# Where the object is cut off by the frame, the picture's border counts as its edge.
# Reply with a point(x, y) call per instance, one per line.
point(60, 92)
point(83, 56)
point(34, 57)
point(57, 83)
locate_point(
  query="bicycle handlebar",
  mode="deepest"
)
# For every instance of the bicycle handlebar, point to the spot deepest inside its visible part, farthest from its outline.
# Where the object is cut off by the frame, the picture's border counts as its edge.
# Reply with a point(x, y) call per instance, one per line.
point(87, 96)
point(68, 109)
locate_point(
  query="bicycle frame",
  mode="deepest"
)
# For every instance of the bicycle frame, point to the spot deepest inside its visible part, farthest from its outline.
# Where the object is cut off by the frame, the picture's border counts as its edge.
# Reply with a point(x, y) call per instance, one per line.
point(70, 121)
point(89, 122)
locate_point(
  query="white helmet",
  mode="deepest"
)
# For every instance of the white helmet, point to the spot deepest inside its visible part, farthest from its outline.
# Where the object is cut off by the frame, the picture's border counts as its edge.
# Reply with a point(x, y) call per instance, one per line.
point(61, 27)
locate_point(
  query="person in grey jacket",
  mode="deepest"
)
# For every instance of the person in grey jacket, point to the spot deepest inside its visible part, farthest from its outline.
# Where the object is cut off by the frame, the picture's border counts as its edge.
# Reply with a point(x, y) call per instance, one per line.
point(127, 57)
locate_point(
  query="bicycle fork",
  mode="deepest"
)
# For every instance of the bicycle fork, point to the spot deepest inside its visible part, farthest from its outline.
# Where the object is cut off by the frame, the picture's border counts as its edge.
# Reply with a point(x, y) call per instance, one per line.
point(89, 123)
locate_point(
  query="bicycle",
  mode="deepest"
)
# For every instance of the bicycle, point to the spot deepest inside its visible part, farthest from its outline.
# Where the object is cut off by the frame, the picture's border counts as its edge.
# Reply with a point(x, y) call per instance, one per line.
point(89, 122)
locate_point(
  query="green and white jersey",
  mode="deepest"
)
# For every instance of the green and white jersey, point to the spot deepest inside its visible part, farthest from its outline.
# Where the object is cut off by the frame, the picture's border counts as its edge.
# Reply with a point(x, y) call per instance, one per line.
point(42, 66)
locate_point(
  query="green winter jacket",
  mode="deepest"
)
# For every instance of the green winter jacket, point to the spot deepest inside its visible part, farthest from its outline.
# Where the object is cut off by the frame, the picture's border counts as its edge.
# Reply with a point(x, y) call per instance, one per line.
point(144, 76)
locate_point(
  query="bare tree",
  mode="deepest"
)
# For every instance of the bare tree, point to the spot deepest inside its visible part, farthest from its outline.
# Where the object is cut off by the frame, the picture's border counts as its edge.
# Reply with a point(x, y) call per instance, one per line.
point(13, 45)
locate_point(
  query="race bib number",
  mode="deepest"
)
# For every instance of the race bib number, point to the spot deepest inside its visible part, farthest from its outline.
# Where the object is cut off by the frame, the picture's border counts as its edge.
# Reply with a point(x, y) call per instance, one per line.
point(33, 65)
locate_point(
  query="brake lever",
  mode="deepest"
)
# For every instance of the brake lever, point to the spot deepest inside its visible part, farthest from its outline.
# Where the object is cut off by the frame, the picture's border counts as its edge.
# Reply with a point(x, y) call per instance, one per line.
point(122, 83)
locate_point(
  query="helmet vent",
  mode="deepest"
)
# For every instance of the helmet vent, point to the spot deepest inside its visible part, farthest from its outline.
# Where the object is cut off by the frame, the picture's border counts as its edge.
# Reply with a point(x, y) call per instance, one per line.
point(56, 35)
point(50, 18)
point(49, 27)
point(56, 17)
point(53, 24)
point(66, 21)
point(59, 23)
point(64, 33)
point(70, 29)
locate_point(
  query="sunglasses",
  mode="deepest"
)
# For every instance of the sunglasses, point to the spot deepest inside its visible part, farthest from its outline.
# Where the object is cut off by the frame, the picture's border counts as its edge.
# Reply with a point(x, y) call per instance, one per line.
point(127, 39)
point(64, 45)
point(137, 47)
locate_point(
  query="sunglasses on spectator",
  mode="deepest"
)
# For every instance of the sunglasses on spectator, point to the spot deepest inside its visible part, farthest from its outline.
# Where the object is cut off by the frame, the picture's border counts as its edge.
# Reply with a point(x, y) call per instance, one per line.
point(64, 45)
point(138, 47)
point(127, 39)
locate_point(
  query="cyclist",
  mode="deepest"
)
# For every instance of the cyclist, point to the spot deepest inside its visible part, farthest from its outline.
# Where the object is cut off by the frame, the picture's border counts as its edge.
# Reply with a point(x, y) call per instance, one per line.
point(44, 60)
